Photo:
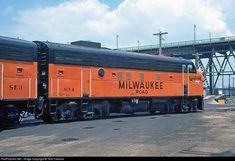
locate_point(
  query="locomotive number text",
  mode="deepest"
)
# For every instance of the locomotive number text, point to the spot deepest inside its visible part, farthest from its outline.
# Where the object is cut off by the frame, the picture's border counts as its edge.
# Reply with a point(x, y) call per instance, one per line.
point(69, 89)
point(15, 87)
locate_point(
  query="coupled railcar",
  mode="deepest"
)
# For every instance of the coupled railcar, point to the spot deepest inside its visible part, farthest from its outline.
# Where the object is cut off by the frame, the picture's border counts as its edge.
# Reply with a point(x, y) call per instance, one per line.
point(18, 78)
point(67, 82)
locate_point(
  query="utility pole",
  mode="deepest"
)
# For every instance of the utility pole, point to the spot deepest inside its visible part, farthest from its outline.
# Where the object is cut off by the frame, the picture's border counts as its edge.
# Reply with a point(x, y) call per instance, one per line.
point(233, 87)
point(194, 42)
point(233, 82)
point(117, 36)
point(138, 45)
point(194, 33)
point(210, 36)
point(223, 80)
point(160, 40)
point(229, 84)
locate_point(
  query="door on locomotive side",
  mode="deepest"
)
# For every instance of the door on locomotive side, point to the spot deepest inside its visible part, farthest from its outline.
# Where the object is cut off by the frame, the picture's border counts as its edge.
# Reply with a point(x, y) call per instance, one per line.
point(86, 82)
point(185, 80)
point(1, 81)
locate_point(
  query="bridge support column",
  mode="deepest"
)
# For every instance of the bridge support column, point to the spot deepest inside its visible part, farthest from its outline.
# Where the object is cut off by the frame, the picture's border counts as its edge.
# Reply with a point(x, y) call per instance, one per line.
point(196, 60)
point(211, 72)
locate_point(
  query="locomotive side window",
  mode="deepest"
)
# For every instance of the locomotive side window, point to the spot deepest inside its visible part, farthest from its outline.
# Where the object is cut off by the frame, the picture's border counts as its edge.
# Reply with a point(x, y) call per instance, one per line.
point(119, 76)
point(141, 76)
point(128, 76)
point(101, 72)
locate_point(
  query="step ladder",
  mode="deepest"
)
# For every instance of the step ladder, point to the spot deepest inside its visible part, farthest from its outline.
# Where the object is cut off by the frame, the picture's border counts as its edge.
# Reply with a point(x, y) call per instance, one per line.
point(88, 113)
point(31, 107)
point(84, 105)
point(53, 106)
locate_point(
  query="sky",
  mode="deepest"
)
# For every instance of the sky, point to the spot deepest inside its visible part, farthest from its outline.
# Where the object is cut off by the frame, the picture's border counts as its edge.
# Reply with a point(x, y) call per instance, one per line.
point(65, 21)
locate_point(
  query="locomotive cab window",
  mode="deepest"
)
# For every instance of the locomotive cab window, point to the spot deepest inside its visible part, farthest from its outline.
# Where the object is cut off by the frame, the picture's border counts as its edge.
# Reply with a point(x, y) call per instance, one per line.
point(184, 68)
point(191, 68)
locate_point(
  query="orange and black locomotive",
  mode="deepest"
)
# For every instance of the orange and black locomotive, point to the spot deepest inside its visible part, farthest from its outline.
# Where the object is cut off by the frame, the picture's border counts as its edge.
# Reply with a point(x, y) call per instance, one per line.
point(67, 82)
point(18, 79)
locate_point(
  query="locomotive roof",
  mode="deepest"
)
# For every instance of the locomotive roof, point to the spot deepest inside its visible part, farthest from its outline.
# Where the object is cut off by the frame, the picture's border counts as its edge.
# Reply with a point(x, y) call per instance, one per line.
point(67, 49)
point(83, 56)
point(17, 49)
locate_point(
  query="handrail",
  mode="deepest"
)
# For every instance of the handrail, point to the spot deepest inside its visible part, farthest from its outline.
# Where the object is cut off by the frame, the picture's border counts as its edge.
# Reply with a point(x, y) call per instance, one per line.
point(182, 43)
point(2, 81)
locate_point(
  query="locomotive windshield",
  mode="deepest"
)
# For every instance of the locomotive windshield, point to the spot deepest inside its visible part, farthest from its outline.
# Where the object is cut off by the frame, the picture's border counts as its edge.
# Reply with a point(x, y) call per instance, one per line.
point(191, 68)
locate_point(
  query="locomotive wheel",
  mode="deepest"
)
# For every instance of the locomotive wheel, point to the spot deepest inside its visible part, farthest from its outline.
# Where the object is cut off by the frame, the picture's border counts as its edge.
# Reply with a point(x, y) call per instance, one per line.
point(195, 106)
point(57, 116)
point(2, 125)
point(79, 115)
point(172, 107)
point(105, 110)
point(178, 108)
point(185, 108)
point(152, 111)
point(164, 109)
point(97, 113)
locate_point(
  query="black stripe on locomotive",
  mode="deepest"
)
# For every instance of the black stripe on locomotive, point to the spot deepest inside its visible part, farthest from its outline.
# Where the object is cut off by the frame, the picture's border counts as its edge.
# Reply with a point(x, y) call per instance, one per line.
point(75, 55)
point(17, 49)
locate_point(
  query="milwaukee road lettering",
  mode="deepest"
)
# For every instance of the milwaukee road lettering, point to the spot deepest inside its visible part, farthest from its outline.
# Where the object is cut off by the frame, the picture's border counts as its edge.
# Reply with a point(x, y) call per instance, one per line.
point(141, 87)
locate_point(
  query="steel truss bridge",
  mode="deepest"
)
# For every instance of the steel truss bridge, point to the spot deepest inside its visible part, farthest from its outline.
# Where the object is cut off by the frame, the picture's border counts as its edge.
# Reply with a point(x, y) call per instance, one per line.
point(214, 57)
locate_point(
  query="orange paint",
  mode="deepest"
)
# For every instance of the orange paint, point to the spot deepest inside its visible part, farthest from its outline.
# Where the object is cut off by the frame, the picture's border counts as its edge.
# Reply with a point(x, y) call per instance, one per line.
point(67, 81)
point(18, 80)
